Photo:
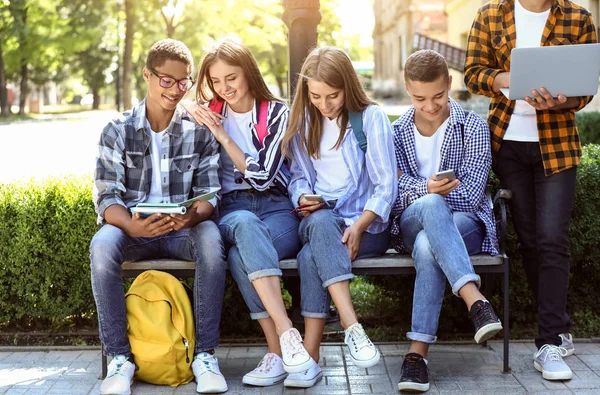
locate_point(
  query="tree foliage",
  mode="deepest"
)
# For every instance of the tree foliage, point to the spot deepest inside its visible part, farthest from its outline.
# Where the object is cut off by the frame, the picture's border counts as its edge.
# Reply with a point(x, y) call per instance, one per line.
point(50, 40)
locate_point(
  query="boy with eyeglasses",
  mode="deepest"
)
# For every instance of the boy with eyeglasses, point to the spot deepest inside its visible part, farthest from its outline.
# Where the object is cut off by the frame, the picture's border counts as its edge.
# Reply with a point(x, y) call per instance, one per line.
point(157, 154)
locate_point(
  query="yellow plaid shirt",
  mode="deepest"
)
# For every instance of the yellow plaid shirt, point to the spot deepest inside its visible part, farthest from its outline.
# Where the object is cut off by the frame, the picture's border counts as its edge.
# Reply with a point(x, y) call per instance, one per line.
point(491, 39)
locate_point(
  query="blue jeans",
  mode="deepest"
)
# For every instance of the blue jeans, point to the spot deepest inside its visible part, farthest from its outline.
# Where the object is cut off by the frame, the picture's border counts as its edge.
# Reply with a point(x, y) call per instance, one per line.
point(258, 230)
point(111, 246)
point(440, 241)
point(324, 260)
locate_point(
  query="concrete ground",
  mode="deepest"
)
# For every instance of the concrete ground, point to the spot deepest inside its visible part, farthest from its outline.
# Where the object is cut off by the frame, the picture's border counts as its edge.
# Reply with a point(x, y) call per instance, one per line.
point(455, 369)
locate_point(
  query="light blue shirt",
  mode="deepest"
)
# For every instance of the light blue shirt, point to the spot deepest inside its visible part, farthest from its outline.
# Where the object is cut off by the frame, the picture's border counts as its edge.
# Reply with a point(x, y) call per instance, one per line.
point(373, 175)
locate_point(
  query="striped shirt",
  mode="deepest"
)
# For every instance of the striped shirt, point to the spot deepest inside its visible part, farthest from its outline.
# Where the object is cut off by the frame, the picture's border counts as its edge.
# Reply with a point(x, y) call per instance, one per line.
point(466, 150)
point(373, 174)
point(492, 37)
point(123, 172)
point(265, 170)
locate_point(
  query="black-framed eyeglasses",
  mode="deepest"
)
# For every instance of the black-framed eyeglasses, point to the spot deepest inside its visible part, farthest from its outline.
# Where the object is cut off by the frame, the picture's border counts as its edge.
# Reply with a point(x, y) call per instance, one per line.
point(184, 84)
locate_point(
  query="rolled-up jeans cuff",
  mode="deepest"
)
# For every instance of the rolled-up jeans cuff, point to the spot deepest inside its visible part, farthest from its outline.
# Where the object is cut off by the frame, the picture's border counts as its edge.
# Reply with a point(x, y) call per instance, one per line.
point(337, 279)
point(259, 316)
point(467, 278)
point(421, 337)
point(308, 314)
point(264, 273)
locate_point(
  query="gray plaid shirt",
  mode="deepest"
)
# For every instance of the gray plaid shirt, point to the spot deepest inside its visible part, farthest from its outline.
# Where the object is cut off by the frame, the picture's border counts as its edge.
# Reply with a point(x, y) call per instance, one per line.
point(124, 163)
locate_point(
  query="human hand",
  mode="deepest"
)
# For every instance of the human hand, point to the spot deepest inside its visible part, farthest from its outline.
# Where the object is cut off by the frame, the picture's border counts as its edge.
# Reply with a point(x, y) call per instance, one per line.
point(441, 187)
point(543, 100)
point(187, 220)
point(307, 207)
point(207, 117)
point(155, 225)
point(351, 237)
point(502, 80)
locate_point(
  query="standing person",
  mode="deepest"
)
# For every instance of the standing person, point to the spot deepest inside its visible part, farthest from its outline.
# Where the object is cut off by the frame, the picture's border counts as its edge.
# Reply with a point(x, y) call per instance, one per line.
point(254, 218)
point(441, 221)
point(157, 154)
point(357, 183)
point(536, 151)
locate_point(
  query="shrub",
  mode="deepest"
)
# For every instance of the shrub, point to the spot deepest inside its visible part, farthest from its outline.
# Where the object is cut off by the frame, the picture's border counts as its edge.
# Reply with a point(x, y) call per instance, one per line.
point(588, 125)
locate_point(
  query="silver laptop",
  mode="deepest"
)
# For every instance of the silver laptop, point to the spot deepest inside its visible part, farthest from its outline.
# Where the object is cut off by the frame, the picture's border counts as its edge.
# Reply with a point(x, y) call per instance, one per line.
point(571, 70)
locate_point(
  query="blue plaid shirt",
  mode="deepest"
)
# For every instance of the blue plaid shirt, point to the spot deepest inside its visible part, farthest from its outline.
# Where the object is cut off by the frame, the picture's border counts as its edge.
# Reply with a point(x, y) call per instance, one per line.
point(124, 164)
point(466, 150)
point(373, 176)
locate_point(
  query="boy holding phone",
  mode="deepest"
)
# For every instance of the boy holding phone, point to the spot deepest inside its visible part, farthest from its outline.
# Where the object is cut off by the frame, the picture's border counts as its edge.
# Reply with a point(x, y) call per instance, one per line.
point(441, 218)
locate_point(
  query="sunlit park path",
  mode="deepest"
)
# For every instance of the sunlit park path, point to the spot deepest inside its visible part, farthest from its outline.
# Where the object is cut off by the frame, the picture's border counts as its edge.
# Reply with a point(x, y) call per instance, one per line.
point(65, 145)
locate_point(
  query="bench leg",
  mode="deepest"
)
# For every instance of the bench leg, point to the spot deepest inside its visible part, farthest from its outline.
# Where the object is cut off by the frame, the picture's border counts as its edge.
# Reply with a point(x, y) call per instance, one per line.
point(506, 323)
point(104, 365)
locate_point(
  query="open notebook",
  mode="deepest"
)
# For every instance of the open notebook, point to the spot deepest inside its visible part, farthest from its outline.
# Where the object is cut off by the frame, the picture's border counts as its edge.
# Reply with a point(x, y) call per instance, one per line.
point(146, 209)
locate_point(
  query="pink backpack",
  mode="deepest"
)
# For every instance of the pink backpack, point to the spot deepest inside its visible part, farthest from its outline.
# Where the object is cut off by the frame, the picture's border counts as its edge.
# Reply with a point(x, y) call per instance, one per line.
point(261, 127)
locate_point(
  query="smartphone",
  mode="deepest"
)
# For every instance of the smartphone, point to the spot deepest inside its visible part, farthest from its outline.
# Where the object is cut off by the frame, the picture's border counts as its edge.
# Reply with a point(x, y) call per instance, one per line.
point(449, 174)
point(317, 198)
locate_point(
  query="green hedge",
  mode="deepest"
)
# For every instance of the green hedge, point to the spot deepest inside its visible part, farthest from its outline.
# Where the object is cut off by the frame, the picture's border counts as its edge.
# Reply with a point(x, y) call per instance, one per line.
point(588, 125)
point(45, 229)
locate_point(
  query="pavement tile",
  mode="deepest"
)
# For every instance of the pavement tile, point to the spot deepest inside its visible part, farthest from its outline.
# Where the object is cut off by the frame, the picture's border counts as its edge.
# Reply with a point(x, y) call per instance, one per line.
point(455, 369)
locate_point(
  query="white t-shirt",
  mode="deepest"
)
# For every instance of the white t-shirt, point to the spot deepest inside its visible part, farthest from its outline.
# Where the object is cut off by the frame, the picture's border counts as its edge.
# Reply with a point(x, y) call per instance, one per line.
point(333, 175)
point(237, 126)
point(530, 27)
point(158, 165)
point(428, 150)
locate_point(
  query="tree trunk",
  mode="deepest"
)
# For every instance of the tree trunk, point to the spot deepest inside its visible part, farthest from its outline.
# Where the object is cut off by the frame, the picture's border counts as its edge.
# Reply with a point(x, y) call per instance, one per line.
point(96, 95)
point(282, 92)
point(4, 111)
point(127, 54)
point(23, 89)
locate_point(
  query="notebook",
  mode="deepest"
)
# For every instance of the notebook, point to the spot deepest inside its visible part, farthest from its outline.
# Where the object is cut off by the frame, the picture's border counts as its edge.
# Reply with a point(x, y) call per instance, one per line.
point(146, 209)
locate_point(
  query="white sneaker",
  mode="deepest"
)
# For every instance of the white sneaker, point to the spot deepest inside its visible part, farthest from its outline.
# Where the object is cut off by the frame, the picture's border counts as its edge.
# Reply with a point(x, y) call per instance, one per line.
point(119, 378)
point(567, 344)
point(548, 360)
point(207, 373)
point(363, 353)
point(268, 372)
point(306, 379)
point(295, 357)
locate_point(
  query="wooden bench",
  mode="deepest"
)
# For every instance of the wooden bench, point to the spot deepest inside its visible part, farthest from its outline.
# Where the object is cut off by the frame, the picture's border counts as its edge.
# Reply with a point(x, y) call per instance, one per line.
point(392, 263)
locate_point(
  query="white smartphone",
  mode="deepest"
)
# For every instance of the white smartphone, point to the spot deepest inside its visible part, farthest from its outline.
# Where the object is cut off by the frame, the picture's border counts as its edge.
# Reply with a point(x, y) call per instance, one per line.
point(317, 198)
point(449, 174)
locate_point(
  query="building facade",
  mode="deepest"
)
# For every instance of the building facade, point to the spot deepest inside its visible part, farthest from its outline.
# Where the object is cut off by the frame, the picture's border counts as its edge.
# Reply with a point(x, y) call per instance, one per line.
point(396, 22)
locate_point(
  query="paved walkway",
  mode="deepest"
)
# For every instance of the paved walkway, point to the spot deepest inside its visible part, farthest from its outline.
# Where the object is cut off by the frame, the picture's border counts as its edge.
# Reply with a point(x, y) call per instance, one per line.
point(455, 368)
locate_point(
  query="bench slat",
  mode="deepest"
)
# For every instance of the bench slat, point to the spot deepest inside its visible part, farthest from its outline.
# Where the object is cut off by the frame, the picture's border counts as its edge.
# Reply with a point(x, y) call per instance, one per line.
point(389, 260)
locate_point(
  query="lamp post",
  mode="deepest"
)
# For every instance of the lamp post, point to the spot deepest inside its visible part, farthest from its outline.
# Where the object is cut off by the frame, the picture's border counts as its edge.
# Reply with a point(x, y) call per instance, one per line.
point(302, 18)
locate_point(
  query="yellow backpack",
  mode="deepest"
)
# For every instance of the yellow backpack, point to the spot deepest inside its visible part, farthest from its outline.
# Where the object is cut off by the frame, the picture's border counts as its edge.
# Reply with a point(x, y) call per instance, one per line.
point(160, 329)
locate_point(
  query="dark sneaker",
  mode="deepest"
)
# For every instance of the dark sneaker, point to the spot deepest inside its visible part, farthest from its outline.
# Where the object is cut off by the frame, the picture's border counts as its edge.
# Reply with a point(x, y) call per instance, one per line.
point(415, 374)
point(484, 319)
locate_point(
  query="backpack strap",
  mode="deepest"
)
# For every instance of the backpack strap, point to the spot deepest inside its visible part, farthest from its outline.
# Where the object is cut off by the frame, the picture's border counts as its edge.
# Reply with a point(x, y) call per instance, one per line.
point(357, 127)
point(216, 105)
point(261, 126)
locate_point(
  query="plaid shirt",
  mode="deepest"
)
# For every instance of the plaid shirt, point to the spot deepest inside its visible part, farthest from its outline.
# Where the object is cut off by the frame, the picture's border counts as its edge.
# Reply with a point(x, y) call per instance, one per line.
point(466, 150)
point(491, 39)
point(124, 163)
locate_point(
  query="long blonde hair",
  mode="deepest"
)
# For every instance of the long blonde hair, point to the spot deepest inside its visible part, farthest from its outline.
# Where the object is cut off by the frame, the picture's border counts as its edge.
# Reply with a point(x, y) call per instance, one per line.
point(232, 51)
point(333, 67)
